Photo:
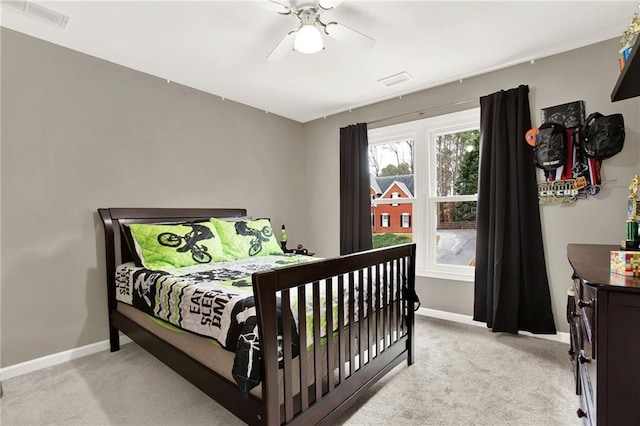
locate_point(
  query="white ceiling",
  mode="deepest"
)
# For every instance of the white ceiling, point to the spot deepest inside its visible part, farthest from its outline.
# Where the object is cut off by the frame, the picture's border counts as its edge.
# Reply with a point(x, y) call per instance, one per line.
point(221, 47)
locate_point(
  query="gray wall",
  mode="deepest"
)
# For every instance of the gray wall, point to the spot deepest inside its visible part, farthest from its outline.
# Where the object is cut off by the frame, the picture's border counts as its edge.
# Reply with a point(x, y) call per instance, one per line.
point(588, 74)
point(79, 133)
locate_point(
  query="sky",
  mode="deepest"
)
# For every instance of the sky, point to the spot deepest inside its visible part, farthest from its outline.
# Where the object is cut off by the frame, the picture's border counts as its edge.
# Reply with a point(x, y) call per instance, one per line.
point(387, 157)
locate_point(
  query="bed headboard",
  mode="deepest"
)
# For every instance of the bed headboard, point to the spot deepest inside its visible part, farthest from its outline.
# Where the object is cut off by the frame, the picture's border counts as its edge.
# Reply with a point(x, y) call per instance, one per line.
point(117, 249)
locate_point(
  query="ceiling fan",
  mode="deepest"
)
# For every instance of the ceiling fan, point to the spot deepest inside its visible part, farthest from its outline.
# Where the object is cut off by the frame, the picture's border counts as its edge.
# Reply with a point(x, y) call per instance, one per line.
point(307, 37)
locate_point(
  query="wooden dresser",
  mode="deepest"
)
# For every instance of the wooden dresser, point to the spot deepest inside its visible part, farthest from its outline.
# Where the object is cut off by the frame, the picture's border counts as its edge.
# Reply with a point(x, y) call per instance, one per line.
point(605, 338)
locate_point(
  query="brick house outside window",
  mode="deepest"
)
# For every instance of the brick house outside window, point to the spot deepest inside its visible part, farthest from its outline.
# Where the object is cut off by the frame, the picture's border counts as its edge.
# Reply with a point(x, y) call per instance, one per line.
point(397, 216)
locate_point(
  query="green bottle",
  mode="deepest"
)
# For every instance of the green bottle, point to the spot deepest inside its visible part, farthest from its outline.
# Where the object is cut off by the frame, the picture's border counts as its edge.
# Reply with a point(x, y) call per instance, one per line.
point(283, 238)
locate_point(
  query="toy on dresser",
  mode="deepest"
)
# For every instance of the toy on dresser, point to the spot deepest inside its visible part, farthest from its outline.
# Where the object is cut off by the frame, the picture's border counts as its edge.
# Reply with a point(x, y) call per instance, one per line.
point(626, 261)
point(632, 240)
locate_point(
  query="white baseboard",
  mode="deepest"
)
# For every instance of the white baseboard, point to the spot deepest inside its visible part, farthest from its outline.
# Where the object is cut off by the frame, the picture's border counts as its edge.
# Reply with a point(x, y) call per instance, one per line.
point(467, 319)
point(59, 358)
point(55, 359)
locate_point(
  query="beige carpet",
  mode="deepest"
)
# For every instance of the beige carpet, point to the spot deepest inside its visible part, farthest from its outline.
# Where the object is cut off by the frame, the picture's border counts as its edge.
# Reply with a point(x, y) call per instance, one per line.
point(464, 375)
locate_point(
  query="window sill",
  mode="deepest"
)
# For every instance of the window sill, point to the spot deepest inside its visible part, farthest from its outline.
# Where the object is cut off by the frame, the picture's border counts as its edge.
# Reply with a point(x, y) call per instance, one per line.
point(448, 275)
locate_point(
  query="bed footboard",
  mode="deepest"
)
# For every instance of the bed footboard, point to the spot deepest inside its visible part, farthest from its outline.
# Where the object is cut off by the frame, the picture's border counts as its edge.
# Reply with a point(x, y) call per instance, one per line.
point(370, 327)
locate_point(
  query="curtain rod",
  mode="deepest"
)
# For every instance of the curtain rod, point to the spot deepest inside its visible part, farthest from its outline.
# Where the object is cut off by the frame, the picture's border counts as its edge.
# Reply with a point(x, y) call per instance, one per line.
point(422, 111)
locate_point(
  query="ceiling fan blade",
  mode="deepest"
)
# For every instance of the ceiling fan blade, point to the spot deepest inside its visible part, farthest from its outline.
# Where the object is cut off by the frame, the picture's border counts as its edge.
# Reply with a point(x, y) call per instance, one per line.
point(348, 35)
point(329, 4)
point(285, 46)
point(280, 6)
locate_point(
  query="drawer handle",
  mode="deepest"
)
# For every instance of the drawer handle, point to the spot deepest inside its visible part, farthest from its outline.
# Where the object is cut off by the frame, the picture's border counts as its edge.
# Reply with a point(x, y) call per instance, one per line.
point(581, 413)
point(582, 358)
point(585, 303)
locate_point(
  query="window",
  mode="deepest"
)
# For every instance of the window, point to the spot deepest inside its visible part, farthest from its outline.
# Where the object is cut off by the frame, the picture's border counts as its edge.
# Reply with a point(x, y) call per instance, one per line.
point(426, 175)
point(395, 195)
point(406, 220)
point(391, 166)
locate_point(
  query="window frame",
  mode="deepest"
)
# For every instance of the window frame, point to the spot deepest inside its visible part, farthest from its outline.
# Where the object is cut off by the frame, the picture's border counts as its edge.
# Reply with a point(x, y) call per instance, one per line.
point(424, 133)
point(395, 195)
point(402, 220)
point(384, 216)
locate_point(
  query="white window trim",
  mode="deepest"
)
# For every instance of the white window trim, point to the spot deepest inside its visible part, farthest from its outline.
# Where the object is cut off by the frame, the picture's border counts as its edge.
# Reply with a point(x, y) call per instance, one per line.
point(424, 132)
point(382, 217)
point(379, 201)
point(395, 195)
point(402, 220)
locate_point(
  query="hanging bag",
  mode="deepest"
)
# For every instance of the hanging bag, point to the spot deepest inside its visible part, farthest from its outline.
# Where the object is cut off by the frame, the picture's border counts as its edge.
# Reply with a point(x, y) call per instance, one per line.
point(603, 136)
point(550, 148)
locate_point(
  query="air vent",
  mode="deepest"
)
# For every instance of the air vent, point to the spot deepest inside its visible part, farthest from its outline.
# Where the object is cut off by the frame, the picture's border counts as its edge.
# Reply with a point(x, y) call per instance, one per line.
point(392, 80)
point(39, 12)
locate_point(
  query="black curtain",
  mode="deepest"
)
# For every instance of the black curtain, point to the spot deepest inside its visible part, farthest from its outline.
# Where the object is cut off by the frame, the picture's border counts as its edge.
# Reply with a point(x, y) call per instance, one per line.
point(355, 198)
point(511, 286)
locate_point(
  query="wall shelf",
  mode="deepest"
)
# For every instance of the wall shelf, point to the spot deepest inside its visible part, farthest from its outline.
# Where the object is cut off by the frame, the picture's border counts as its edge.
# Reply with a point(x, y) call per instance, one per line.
point(628, 84)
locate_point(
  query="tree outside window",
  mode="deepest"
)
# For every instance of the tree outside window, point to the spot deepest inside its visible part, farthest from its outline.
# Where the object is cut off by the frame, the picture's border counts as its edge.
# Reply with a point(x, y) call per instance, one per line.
point(457, 162)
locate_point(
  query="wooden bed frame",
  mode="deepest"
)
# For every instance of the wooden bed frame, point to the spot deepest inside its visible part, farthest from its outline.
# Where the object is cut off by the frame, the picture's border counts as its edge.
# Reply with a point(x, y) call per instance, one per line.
point(360, 361)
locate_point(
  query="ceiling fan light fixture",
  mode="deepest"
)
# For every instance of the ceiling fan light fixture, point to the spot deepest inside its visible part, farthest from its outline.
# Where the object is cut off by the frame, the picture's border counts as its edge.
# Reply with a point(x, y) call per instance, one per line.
point(308, 39)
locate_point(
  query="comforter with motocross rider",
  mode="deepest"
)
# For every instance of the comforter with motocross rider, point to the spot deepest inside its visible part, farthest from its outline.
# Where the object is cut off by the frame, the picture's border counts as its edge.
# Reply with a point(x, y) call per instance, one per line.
point(214, 300)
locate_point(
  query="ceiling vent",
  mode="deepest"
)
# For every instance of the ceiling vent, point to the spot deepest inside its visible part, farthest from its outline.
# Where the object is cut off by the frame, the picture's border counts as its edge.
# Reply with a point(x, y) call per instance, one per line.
point(39, 12)
point(392, 80)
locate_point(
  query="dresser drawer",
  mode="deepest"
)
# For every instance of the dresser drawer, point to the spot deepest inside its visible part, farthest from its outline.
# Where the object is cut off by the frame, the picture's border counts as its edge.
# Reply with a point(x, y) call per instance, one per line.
point(585, 347)
point(577, 286)
point(573, 352)
point(587, 410)
point(586, 299)
point(587, 374)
